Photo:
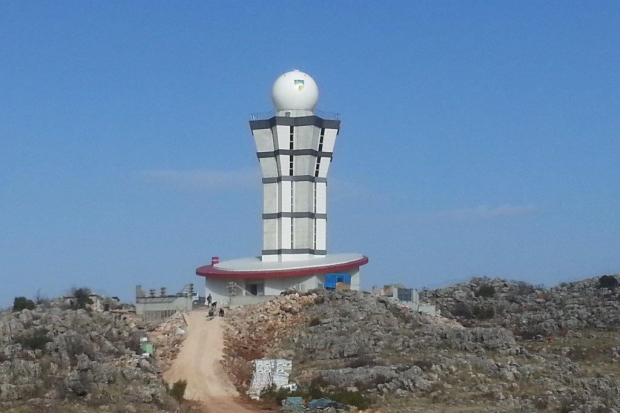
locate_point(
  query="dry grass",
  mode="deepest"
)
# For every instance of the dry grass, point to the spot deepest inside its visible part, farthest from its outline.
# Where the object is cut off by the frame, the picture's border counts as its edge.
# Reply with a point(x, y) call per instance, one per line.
point(592, 352)
point(458, 403)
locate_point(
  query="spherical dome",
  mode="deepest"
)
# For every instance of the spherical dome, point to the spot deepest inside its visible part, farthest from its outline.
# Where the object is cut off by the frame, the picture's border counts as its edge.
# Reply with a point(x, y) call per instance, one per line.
point(295, 91)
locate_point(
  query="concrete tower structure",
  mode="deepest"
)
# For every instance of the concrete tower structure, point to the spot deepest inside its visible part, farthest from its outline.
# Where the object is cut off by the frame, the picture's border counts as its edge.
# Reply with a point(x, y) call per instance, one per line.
point(295, 150)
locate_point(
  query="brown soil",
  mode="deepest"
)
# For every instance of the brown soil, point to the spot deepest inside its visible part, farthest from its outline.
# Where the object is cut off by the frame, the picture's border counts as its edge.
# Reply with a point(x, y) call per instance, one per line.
point(199, 362)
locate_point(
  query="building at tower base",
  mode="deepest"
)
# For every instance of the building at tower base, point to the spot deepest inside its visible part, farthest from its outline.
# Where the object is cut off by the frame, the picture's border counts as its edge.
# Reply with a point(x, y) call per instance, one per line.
point(294, 149)
point(250, 280)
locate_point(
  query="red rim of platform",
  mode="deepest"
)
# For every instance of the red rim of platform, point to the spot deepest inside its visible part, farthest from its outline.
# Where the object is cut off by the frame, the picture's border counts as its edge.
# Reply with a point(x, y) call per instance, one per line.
point(211, 272)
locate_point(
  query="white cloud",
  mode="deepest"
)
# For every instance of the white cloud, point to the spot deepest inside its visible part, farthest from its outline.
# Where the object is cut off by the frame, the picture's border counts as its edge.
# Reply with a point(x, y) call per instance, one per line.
point(199, 180)
point(457, 216)
point(482, 212)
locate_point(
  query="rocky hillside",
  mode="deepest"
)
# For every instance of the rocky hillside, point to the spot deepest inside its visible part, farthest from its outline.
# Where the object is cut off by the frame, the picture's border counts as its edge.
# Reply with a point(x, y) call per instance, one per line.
point(57, 359)
point(501, 347)
point(531, 311)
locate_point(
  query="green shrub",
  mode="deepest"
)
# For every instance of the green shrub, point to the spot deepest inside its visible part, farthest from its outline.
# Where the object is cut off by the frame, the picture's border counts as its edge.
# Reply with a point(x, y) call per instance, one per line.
point(524, 288)
point(527, 333)
point(177, 391)
point(425, 365)
point(133, 343)
point(485, 291)
point(461, 310)
point(77, 345)
point(22, 303)
point(483, 312)
point(362, 360)
point(608, 281)
point(33, 340)
point(314, 322)
point(314, 391)
point(580, 353)
point(273, 394)
point(82, 296)
point(356, 399)
point(541, 404)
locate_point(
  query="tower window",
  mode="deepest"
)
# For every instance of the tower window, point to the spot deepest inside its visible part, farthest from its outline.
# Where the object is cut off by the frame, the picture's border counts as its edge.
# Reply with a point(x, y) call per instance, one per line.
point(291, 146)
point(318, 159)
point(318, 166)
point(314, 220)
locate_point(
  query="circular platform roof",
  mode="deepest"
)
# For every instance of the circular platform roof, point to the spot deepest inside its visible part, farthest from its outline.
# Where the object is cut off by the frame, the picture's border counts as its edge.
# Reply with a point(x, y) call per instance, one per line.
point(252, 268)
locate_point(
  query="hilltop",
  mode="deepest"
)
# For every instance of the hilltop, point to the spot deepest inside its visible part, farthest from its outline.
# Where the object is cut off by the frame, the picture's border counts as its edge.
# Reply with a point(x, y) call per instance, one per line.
point(59, 356)
point(496, 346)
point(499, 346)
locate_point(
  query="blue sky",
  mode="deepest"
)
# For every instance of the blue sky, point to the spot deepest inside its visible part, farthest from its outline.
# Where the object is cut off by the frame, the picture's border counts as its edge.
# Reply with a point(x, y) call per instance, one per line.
point(478, 138)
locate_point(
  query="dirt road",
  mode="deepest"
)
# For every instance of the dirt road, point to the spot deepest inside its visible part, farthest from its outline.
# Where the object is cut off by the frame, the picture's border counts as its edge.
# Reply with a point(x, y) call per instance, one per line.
point(199, 363)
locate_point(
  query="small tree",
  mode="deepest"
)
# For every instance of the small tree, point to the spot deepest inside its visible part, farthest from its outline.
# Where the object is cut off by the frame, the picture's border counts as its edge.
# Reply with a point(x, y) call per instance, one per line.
point(178, 390)
point(34, 339)
point(22, 303)
point(608, 281)
point(82, 296)
point(485, 291)
point(483, 312)
point(461, 310)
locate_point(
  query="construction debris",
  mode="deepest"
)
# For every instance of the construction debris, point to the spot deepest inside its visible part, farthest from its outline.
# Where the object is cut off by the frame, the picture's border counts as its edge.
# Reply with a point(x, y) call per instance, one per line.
point(167, 339)
point(267, 373)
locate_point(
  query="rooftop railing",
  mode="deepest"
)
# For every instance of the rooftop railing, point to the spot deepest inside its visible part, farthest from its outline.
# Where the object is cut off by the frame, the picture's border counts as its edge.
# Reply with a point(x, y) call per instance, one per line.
point(316, 112)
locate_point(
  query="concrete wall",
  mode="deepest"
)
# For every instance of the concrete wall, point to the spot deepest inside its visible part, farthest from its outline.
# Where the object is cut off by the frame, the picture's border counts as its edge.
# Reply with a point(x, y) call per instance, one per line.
point(241, 300)
point(156, 309)
point(218, 288)
point(355, 279)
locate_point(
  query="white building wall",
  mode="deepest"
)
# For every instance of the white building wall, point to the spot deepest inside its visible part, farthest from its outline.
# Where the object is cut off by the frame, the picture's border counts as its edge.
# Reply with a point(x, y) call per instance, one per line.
point(270, 198)
point(324, 167)
point(306, 137)
point(286, 238)
point(304, 233)
point(355, 279)
point(304, 201)
point(269, 167)
point(218, 289)
point(283, 137)
point(305, 165)
point(274, 286)
point(321, 234)
point(263, 140)
point(302, 196)
point(329, 140)
point(270, 233)
point(321, 198)
point(285, 195)
point(284, 165)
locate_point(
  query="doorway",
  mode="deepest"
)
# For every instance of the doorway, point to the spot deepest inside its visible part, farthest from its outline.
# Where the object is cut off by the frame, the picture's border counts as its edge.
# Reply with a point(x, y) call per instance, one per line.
point(255, 287)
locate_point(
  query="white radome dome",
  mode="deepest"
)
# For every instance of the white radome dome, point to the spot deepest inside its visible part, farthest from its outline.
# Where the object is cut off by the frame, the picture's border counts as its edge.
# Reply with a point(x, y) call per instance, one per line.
point(295, 90)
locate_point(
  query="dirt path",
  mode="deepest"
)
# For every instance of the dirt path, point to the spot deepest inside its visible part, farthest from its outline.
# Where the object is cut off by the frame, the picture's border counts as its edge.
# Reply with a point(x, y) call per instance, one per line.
point(198, 362)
